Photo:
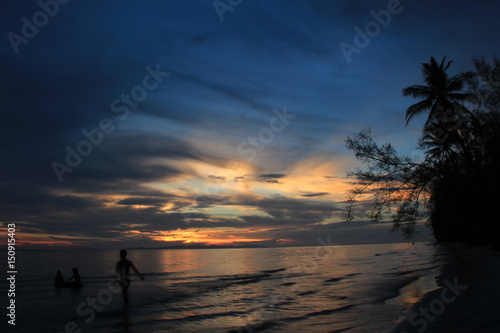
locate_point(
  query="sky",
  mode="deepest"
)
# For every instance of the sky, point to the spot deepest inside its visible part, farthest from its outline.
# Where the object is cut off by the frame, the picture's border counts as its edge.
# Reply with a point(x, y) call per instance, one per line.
point(163, 123)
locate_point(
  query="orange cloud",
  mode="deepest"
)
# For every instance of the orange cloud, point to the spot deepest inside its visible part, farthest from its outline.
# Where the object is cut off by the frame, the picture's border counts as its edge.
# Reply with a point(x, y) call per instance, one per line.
point(213, 236)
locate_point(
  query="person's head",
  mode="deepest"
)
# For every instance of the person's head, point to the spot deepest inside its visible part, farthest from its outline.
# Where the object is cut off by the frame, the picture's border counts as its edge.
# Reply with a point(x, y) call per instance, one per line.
point(123, 253)
point(59, 273)
point(75, 270)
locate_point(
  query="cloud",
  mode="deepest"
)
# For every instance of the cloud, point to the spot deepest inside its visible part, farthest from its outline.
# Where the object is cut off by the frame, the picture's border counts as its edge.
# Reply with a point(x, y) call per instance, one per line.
point(213, 177)
point(142, 202)
point(271, 177)
point(319, 194)
point(169, 158)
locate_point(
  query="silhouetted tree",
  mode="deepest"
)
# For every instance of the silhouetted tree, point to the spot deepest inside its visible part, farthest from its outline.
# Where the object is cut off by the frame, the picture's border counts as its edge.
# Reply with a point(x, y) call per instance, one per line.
point(400, 186)
point(440, 93)
point(455, 187)
point(485, 84)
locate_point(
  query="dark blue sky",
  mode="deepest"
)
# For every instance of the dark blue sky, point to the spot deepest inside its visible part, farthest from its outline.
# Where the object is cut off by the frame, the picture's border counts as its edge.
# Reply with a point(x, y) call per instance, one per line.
point(208, 130)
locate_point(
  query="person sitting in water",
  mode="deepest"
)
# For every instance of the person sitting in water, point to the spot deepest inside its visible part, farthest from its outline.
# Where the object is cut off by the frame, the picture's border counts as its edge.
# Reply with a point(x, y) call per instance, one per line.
point(77, 283)
point(59, 280)
point(123, 270)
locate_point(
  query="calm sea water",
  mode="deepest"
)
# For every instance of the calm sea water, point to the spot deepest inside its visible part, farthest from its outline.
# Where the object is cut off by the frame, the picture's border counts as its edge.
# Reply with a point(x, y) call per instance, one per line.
point(361, 288)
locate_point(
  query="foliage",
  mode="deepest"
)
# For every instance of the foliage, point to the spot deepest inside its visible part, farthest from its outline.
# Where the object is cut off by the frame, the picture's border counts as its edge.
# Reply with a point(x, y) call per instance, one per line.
point(392, 179)
point(451, 188)
point(440, 93)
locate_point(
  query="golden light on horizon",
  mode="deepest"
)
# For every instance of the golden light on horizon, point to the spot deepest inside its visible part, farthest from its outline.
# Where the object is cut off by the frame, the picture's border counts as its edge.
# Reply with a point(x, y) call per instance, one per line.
point(218, 193)
point(213, 236)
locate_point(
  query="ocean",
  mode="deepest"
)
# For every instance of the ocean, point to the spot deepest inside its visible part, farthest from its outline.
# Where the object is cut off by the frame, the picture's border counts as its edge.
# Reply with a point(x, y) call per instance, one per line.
point(345, 288)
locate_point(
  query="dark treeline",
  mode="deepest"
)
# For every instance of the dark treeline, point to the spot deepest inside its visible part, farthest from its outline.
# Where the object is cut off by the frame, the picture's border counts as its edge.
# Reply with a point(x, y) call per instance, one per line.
point(455, 188)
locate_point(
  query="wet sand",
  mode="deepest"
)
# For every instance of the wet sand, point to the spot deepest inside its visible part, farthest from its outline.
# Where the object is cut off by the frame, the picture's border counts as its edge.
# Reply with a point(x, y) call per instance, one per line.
point(467, 298)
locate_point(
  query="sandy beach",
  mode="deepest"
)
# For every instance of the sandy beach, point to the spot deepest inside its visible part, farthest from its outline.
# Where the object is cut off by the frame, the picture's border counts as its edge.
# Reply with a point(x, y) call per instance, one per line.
point(467, 299)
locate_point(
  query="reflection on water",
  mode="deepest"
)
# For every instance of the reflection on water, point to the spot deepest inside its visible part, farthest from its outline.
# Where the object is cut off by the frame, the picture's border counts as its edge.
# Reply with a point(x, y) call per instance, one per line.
point(125, 324)
point(360, 288)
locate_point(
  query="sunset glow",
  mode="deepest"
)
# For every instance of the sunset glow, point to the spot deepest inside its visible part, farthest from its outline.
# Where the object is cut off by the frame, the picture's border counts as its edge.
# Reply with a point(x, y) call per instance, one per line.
point(165, 125)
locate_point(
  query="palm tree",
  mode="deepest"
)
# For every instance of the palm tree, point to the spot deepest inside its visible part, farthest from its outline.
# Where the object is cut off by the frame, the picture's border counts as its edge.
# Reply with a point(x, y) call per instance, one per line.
point(439, 145)
point(440, 93)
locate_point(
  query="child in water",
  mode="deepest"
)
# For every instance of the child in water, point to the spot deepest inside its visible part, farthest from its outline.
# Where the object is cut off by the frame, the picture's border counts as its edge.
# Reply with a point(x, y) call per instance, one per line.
point(59, 280)
point(76, 276)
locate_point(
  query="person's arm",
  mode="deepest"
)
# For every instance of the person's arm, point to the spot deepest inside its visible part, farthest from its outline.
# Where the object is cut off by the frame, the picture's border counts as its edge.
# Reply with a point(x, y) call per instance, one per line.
point(71, 278)
point(136, 270)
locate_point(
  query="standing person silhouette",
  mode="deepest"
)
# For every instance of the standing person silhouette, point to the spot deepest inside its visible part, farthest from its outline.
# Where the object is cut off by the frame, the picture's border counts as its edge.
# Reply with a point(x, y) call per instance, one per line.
point(123, 268)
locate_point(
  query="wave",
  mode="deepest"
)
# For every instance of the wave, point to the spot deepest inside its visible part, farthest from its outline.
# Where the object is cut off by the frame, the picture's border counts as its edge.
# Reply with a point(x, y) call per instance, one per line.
point(203, 316)
point(244, 277)
point(266, 324)
point(274, 270)
point(318, 313)
point(337, 279)
point(340, 278)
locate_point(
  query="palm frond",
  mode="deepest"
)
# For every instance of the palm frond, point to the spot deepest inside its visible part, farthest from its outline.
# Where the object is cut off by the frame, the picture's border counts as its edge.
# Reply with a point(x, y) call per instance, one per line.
point(417, 91)
point(417, 109)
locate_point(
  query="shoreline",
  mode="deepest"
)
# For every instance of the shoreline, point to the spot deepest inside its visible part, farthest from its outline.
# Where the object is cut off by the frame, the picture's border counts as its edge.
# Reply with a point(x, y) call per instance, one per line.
point(467, 296)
